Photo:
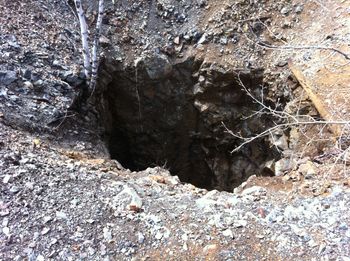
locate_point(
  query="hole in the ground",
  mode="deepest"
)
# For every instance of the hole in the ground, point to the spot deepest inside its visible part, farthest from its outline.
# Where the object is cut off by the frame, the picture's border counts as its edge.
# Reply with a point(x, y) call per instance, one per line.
point(163, 114)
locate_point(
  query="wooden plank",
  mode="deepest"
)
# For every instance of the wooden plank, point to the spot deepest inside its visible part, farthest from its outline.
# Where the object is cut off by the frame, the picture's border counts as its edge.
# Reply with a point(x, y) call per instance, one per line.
point(316, 100)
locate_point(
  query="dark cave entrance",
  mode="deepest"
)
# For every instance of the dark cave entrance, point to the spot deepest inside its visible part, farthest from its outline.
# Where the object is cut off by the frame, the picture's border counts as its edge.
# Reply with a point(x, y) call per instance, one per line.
point(171, 115)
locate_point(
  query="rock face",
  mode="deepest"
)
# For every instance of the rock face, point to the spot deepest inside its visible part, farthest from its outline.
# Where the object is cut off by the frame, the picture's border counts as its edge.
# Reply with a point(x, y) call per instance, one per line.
point(172, 113)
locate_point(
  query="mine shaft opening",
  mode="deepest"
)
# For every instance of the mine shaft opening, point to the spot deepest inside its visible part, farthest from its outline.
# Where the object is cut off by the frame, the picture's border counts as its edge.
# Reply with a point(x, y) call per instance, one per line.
point(171, 115)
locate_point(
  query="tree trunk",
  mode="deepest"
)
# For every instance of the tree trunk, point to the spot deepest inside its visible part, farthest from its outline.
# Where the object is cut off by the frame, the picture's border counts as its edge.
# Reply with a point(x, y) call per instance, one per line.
point(95, 48)
point(84, 39)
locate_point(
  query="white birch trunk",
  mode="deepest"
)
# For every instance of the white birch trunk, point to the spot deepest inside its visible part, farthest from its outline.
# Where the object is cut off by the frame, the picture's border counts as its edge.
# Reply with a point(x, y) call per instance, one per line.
point(84, 38)
point(95, 48)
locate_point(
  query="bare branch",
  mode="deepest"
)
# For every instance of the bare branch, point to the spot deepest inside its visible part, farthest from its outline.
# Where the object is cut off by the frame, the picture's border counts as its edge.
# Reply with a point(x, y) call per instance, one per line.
point(288, 119)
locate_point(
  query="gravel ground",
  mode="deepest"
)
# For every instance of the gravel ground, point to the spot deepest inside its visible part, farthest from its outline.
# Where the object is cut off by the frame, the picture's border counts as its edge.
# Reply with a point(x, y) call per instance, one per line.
point(60, 204)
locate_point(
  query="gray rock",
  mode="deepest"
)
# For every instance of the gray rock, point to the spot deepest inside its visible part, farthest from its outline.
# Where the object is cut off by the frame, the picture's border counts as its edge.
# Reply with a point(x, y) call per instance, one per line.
point(28, 85)
point(157, 65)
point(228, 233)
point(7, 77)
point(39, 83)
point(14, 189)
point(203, 39)
point(298, 9)
point(285, 10)
point(255, 191)
point(61, 215)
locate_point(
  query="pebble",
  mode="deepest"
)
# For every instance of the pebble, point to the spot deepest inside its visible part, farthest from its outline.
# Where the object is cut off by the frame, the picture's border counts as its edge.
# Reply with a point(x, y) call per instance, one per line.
point(285, 10)
point(61, 215)
point(298, 9)
point(14, 189)
point(28, 84)
point(107, 234)
point(203, 39)
point(240, 223)
point(159, 235)
point(45, 230)
point(7, 77)
point(6, 179)
point(40, 258)
point(255, 191)
point(6, 231)
point(209, 248)
point(228, 233)
point(140, 238)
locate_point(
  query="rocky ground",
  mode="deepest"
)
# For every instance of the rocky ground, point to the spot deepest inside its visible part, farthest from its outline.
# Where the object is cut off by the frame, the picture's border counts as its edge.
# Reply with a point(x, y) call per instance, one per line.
point(62, 198)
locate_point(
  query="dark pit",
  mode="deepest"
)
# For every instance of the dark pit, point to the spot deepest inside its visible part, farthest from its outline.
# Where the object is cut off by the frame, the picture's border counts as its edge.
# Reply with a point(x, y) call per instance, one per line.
point(170, 114)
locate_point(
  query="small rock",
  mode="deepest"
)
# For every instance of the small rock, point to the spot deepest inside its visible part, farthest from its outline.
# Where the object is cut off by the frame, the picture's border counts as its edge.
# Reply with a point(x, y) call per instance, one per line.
point(223, 40)
point(240, 223)
point(6, 179)
point(228, 233)
point(177, 40)
point(107, 234)
point(27, 74)
point(282, 166)
point(47, 219)
point(322, 248)
point(298, 9)
point(255, 191)
point(40, 258)
point(307, 169)
point(140, 238)
point(28, 84)
point(45, 230)
point(61, 215)
point(159, 235)
point(209, 248)
point(6, 231)
point(38, 83)
point(7, 77)
point(203, 39)
point(104, 41)
point(14, 189)
point(285, 10)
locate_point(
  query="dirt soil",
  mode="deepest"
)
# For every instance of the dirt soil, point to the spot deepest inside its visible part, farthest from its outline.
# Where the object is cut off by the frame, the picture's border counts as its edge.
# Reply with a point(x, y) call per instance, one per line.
point(63, 198)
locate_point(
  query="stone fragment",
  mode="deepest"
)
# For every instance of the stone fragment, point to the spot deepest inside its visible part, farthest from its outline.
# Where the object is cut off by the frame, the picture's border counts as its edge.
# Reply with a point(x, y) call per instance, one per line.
point(307, 169)
point(61, 215)
point(107, 234)
point(285, 10)
point(177, 40)
point(228, 233)
point(6, 231)
point(203, 39)
point(255, 191)
point(7, 77)
point(209, 248)
point(28, 84)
